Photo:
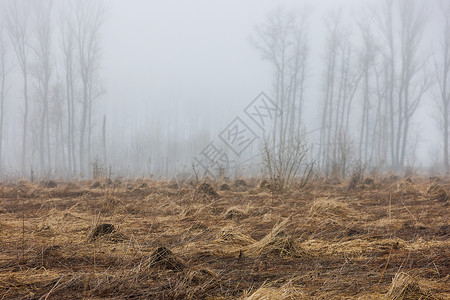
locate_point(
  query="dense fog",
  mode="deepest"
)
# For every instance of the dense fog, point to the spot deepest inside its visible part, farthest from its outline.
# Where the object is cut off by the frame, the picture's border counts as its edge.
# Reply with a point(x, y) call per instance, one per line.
point(165, 88)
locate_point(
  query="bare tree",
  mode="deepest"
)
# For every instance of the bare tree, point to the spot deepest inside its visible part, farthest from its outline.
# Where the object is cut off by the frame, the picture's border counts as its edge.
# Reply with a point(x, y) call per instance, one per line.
point(282, 40)
point(68, 48)
point(367, 56)
point(18, 18)
point(414, 81)
point(57, 121)
point(42, 12)
point(105, 159)
point(402, 25)
point(4, 70)
point(442, 71)
point(340, 83)
point(89, 17)
point(381, 129)
point(331, 56)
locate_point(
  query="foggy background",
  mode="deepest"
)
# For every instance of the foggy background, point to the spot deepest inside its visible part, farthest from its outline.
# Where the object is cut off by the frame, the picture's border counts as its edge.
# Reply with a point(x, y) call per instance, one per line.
point(174, 74)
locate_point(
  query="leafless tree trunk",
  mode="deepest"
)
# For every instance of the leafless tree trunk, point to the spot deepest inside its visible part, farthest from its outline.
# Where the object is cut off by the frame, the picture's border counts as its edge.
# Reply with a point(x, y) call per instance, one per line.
point(340, 83)
point(282, 41)
point(17, 18)
point(415, 81)
point(68, 48)
point(442, 70)
point(89, 19)
point(402, 24)
point(105, 159)
point(57, 120)
point(380, 132)
point(4, 70)
point(369, 123)
point(44, 69)
point(386, 25)
point(333, 26)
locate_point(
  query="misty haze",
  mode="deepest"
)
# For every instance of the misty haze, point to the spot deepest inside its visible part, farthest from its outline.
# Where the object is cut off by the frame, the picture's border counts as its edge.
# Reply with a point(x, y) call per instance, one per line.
point(224, 149)
point(141, 88)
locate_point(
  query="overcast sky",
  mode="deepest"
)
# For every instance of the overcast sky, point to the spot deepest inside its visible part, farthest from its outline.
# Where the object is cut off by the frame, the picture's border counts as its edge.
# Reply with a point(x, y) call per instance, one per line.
point(191, 62)
point(190, 53)
point(186, 69)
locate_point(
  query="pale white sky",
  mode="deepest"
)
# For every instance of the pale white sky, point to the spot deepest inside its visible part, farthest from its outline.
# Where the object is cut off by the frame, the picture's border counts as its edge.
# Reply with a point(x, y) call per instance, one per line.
point(183, 67)
point(190, 62)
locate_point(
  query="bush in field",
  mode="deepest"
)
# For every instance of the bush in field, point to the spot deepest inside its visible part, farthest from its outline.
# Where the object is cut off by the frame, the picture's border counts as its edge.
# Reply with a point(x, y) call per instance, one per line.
point(286, 162)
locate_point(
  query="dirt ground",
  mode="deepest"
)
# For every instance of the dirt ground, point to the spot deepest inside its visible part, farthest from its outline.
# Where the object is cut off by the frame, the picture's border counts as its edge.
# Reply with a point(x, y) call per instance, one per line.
point(386, 238)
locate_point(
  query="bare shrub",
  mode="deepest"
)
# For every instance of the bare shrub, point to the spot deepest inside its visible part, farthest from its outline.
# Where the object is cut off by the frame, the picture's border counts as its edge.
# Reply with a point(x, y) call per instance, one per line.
point(286, 162)
point(357, 176)
point(98, 169)
point(343, 153)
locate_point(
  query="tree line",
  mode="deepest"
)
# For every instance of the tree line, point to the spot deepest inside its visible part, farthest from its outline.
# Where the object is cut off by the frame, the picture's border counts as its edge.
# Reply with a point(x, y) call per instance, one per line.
point(55, 48)
point(375, 69)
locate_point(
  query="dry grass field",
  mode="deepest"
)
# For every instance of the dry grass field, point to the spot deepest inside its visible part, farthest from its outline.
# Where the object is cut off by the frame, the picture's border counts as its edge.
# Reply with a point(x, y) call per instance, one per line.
point(385, 238)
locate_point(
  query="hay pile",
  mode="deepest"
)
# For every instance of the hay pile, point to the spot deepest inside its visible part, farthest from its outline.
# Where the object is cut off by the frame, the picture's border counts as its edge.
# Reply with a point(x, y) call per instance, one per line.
point(408, 187)
point(51, 251)
point(111, 204)
point(101, 230)
point(369, 181)
point(143, 187)
point(286, 292)
point(225, 187)
point(240, 183)
point(404, 286)
point(165, 259)
point(173, 186)
point(384, 224)
point(443, 231)
point(234, 213)
point(437, 192)
point(192, 211)
point(106, 231)
point(205, 189)
point(230, 235)
point(355, 247)
point(265, 185)
point(325, 207)
point(49, 184)
point(277, 243)
point(96, 185)
point(200, 276)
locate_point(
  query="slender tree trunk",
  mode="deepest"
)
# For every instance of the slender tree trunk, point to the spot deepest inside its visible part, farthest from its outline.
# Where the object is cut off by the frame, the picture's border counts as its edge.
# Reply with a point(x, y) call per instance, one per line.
point(105, 158)
point(89, 136)
point(446, 125)
point(41, 143)
point(84, 116)
point(69, 120)
point(25, 119)
point(2, 100)
point(72, 131)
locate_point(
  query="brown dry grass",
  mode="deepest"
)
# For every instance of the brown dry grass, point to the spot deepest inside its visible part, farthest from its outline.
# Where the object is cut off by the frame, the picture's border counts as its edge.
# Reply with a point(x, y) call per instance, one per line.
point(389, 239)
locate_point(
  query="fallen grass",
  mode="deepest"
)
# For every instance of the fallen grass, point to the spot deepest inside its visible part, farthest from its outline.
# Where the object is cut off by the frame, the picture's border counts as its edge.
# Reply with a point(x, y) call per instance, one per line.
point(286, 292)
point(404, 286)
point(239, 242)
